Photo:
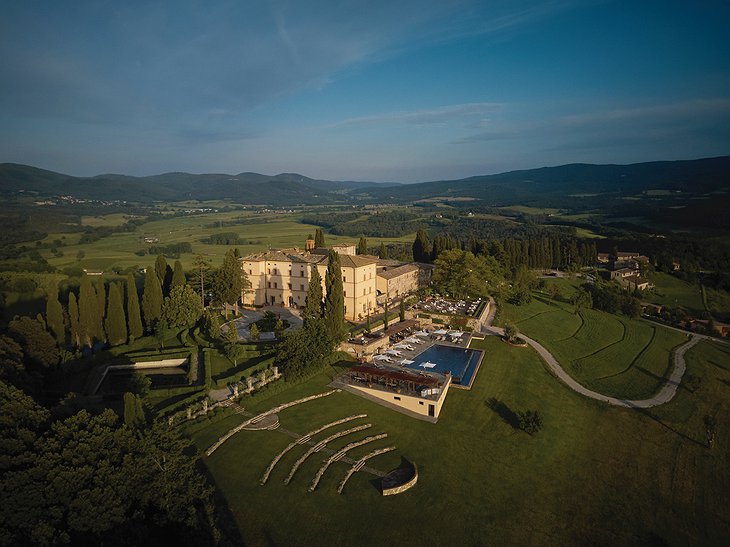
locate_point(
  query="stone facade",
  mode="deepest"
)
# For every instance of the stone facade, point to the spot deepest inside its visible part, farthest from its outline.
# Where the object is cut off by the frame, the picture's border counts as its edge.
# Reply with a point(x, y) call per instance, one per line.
point(281, 278)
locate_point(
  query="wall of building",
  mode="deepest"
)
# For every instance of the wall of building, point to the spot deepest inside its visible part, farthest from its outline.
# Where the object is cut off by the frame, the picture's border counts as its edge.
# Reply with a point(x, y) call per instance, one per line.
point(407, 402)
point(399, 285)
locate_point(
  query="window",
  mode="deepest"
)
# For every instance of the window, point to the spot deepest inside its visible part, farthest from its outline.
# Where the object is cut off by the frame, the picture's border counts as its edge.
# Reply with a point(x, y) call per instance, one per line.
point(269, 284)
point(363, 291)
point(420, 403)
point(289, 273)
point(250, 272)
point(396, 398)
point(344, 293)
point(268, 271)
point(276, 285)
point(301, 273)
point(301, 287)
point(344, 279)
point(289, 285)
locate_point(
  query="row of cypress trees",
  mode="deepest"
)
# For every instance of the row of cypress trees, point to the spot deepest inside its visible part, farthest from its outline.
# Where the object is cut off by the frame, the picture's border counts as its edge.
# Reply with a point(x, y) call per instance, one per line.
point(100, 313)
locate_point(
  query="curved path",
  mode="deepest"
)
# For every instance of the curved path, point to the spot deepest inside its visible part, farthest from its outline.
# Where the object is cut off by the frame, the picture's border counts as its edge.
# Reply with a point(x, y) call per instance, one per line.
point(664, 395)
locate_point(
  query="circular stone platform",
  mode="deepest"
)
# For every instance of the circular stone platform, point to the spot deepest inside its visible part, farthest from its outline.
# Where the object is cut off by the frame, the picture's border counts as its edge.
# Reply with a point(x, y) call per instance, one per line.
point(270, 421)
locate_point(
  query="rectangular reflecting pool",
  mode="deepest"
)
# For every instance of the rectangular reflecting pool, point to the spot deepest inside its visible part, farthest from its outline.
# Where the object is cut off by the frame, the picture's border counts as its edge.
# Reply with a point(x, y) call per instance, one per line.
point(461, 363)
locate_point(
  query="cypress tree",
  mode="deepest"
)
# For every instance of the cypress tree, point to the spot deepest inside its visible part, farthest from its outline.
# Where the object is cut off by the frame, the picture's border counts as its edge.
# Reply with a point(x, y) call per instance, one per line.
point(385, 314)
point(151, 299)
point(178, 276)
point(421, 247)
point(134, 319)
point(318, 238)
point(54, 317)
point(334, 301)
point(402, 310)
point(116, 322)
point(161, 269)
point(313, 303)
point(383, 252)
point(101, 310)
point(89, 320)
point(73, 316)
point(362, 246)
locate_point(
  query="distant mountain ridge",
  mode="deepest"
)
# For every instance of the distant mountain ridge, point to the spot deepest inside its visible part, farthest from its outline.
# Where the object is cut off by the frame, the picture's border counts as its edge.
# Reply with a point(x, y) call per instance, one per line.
point(702, 175)
point(285, 188)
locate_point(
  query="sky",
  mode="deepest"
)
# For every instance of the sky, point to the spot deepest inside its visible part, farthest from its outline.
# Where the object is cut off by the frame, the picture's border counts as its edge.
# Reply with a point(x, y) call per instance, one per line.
point(371, 90)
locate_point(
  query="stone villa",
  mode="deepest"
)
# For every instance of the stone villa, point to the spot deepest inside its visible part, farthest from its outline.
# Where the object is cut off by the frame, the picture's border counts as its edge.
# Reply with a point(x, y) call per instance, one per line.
point(280, 277)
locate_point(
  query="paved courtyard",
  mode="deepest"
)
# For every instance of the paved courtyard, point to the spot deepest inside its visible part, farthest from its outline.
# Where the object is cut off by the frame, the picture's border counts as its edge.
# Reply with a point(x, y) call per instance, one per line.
point(251, 316)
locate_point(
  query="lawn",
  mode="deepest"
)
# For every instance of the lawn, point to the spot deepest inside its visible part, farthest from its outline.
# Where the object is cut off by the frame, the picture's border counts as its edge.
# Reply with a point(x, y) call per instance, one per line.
point(610, 354)
point(719, 303)
point(593, 475)
point(673, 292)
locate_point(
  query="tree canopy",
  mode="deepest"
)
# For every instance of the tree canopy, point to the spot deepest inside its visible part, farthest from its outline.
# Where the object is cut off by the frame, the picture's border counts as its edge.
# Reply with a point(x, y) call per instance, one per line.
point(462, 275)
point(229, 280)
point(182, 308)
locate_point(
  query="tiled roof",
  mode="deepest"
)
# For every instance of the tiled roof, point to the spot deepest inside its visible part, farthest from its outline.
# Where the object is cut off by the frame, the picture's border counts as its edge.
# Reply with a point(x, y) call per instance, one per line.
point(400, 270)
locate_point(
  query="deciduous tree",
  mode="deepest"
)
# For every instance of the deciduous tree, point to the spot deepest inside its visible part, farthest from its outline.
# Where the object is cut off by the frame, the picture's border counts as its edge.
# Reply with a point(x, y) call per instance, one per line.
point(229, 280)
point(182, 308)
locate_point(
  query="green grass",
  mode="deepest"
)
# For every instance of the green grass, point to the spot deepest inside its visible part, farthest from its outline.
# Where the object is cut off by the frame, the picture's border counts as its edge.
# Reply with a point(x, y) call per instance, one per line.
point(593, 474)
point(673, 292)
point(117, 250)
point(719, 303)
point(610, 354)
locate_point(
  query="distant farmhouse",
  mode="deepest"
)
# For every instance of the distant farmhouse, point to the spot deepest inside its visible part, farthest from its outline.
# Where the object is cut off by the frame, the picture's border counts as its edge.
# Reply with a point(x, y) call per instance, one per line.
point(281, 277)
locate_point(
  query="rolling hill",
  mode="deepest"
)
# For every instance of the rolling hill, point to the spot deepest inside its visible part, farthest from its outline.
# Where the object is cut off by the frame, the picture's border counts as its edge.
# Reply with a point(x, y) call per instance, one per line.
point(526, 186)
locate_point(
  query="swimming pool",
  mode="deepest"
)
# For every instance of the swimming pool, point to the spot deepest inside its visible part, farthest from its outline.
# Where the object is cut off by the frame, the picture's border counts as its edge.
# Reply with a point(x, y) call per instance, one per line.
point(461, 363)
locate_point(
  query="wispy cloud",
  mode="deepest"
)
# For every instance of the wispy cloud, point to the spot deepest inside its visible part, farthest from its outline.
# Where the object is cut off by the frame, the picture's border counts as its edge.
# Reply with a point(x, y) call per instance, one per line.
point(435, 116)
point(646, 122)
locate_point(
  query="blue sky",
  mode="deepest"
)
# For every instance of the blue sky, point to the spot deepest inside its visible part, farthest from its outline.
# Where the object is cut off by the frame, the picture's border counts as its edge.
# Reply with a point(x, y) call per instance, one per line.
point(361, 90)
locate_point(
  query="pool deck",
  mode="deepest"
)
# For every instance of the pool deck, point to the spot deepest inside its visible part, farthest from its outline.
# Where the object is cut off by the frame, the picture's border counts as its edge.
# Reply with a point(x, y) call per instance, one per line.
point(427, 344)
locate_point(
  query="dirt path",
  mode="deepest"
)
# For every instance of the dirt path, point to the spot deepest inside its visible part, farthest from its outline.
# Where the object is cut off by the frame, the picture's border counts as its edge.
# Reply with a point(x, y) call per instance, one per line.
point(664, 395)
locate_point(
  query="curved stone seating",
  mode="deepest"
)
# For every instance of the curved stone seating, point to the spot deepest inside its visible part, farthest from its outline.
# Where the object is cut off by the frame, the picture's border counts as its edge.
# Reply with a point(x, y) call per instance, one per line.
point(338, 456)
point(261, 416)
point(303, 439)
point(399, 480)
point(319, 446)
point(359, 465)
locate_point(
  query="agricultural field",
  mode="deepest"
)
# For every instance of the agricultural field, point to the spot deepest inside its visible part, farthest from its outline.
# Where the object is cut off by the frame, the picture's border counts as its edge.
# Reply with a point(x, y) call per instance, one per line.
point(482, 480)
point(257, 232)
point(610, 354)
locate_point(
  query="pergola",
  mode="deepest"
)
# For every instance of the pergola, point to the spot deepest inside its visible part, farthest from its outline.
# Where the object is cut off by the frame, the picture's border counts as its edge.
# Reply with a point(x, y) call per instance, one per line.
point(395, 379)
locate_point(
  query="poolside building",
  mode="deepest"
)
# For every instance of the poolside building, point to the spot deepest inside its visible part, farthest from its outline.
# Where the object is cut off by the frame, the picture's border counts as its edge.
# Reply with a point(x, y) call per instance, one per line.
point(419, 394)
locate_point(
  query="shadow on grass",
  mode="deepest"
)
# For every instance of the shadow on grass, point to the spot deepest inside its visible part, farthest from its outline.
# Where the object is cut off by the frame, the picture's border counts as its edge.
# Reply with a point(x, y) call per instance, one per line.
point(226, 521)
point(243, 365)
point(508, 415)
point(646, 412)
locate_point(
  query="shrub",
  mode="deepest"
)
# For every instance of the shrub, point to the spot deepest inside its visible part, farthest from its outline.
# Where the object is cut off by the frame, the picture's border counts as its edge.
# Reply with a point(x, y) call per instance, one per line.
point(530, 421)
